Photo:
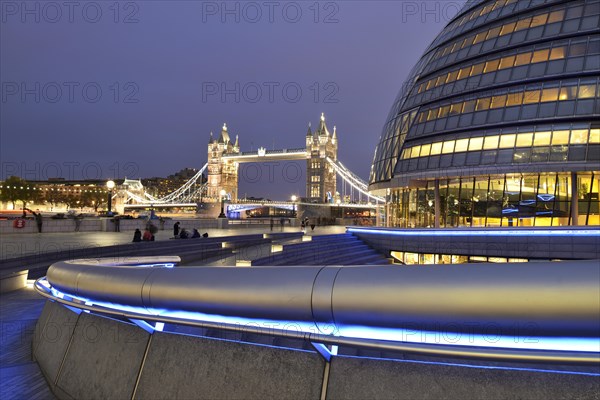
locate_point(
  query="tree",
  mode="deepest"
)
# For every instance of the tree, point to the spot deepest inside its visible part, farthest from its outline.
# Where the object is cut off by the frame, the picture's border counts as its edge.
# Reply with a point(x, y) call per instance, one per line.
point(94, 198)
point(16, 189)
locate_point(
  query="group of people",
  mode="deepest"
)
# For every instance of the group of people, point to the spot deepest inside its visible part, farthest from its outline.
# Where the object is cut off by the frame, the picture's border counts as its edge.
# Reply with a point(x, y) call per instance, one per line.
point(148, 236)
point(305, 224)
point(182, 233)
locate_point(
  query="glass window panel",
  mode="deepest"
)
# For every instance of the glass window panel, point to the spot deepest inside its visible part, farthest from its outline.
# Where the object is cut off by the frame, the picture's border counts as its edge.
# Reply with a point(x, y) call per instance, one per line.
point(464, 72)
point(550, 94)
point(448, 147)
point(494, 32)
point(436, 149)
point(452, 76)
point(461, 145)
point(594, 136)
point(440, 79)
point(540, 56)
point(467, 42)
point(579, 136)
point(514, 99)
point(455, 108)
point(531, 96)
point(432, 114)
point(541, 139)
point(491, 66)
point(587, 91)
point(425, 150)
point(522, 59)
point(577, 49)
point(415, 151)
point(568, 93)
point(476, 143)
point(507, 62)
point(483, 104)
point(507, 141)
point(558, 53)
point(480, 37)
point(524, 139)
point(539, 20)
point(444, 111)
point(491, 142)
point(498, 101)
point(430, 83)
point(469, 106)
point(523, 24)
point(508, 28)
point(477, 69)
point(556, 16)
point(560, 137)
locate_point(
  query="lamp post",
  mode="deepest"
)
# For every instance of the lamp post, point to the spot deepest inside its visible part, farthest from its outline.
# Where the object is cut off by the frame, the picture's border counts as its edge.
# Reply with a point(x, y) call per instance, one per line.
point(294, 198)
point(222, 193)
point(110, 185)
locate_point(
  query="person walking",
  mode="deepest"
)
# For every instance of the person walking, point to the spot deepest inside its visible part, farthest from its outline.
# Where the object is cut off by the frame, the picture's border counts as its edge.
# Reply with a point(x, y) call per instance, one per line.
point(176, 229)
point(38, 219)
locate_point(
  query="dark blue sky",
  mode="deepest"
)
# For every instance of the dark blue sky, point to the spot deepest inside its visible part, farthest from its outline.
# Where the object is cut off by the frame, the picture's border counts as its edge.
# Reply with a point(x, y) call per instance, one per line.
point(161, 76)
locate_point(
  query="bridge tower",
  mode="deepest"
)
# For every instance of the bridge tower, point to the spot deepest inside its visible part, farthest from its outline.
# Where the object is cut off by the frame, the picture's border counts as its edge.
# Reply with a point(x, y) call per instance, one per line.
point(320, 175)
point(222, 173)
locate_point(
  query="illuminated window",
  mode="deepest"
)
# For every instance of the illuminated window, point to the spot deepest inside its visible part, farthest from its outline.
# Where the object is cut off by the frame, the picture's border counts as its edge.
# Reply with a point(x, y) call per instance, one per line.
point(461, 145)
point(491, 66)
point(539, 20)
point(587, 91)
point(455, 108)
point(469, 106)
point(498, 101)
point(464, 72)
point(490, 142)
point(557, 53)
point(425, 149)
point(556, 16)
point(483, 104)
point(523, 24)
point(507, 141)
point(480, 37)
point(594, 136)
point(550, 94)
point(432, 114)
point(448, 147)
point(476, 144)
point(507, 62)
point(436, 149)
point(560, 138)
point(531, 96)
point(524, 139)
point(508, 28)
point(540, 56)
point(415, 152)
point(568, 93)
point(541, 139)
point(514, 99)
point(444, 111)
point(452, 76)
point(477, 69)
point(494, 32)
point(522, 59)
point(579, 136)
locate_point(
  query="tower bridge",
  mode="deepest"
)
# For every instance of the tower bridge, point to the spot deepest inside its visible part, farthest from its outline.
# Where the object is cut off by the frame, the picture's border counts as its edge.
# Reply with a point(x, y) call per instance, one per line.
point(224, 157)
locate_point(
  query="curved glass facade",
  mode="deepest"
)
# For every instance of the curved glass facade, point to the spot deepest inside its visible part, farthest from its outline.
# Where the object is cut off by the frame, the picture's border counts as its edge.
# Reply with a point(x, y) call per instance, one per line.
point(497, 124)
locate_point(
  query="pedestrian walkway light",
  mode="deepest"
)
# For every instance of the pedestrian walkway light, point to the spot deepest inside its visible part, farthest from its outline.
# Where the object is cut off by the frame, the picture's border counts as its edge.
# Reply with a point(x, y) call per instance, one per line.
point(110, 185)
point(294, 198)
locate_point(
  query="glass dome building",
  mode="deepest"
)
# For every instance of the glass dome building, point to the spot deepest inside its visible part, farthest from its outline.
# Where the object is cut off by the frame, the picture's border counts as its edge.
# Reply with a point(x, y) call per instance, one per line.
point(498, 123)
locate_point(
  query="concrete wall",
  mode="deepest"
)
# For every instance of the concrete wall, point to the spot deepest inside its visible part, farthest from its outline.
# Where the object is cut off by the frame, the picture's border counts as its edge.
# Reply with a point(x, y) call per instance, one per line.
point(92, 357)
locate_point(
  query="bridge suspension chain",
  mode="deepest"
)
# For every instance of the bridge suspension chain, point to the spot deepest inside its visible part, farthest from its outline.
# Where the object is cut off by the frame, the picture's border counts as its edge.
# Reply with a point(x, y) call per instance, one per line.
point(353, 180)
point(180, 193)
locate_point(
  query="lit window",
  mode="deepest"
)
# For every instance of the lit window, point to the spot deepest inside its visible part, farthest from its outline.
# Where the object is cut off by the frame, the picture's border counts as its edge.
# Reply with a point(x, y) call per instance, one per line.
point(477, 69)
point(514, 99)
point(480, 37)
point(432, 114)
point(556, 16)
point(455, 108)
point(464, 72)
point(452, 76)
point(580, 136)
point(469, 106)
point(568, 93)
point(494, 32)
point(508, 28)
point(439, 81)
point(425, 149)
point(490, 142)
point(483, 104)
point(507, 62)
point(541, 139)
point(531, 96)
point(594, 136)
point(524, 139)
point(540, 56)
point(557, 53)
point(415, 152)
point(550, 94)
point(507, 141)
point(461, 145)
point(539, 20)
point(436, 149)
point(522, 59)
point(491, 66)
point(448, 147)
point(587, 91)
point(523, 24)
point(444, 111)
point(476, 144)
point(498, 101)
point(560, 138)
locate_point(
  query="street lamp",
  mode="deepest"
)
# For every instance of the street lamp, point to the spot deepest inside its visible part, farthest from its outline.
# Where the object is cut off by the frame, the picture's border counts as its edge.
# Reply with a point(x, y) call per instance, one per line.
point(294, 198)
point(110, 185)
point(222, 193)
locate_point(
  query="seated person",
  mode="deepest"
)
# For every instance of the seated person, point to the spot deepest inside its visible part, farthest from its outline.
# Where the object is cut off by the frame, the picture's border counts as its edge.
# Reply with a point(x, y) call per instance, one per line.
point(184, 234)
point(137, 236)
point(148, 236)
point(205, 235)
point(195, 234)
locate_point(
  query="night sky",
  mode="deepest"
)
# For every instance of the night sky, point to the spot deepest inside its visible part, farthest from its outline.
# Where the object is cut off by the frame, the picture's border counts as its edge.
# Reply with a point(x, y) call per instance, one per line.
point(92, 90)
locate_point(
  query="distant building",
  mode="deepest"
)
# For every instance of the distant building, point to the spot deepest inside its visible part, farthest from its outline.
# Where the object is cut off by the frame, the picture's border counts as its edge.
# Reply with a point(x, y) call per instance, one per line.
point(320, 175)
